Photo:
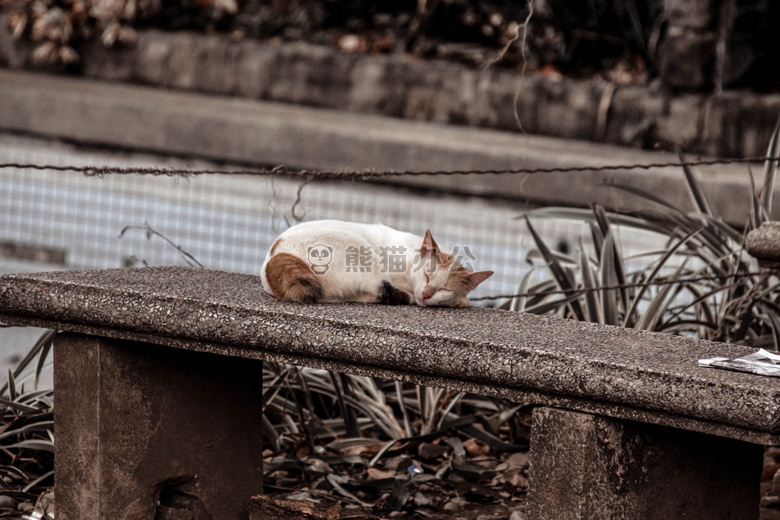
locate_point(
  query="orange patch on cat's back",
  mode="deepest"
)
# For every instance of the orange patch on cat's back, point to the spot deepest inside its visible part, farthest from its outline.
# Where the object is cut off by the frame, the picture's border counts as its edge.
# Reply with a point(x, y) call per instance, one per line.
point(290, 278)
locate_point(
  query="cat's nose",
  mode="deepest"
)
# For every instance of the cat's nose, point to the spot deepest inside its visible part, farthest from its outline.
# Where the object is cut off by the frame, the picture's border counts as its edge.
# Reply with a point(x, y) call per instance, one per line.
point(428, 293)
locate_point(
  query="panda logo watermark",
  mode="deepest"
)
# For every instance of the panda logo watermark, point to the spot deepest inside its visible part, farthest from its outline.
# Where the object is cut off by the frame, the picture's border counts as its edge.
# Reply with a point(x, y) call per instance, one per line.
point(391, 259)
point(320, 257)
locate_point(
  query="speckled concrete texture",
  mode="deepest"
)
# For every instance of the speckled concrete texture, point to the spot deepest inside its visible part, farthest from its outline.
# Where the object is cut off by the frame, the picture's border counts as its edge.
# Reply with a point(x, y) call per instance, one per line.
point(142, 427)
point(600, 369)
point(764, 244)
point(588, 467)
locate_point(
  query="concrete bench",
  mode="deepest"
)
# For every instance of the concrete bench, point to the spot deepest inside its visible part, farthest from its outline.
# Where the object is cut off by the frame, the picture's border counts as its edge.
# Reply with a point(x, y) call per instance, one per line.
point(158, 392)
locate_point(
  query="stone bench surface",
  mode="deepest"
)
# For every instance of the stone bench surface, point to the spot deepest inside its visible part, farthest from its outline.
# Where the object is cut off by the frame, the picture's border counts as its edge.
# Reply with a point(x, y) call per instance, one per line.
point(642, 376)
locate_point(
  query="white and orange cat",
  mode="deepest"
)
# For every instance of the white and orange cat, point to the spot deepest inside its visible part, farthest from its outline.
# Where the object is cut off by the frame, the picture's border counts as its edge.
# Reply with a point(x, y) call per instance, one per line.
point(333, 261)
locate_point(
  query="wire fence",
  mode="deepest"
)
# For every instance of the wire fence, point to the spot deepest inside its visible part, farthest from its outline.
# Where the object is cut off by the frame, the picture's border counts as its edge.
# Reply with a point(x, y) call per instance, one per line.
point(226, 222)
point(60, 198)
point(282, 171)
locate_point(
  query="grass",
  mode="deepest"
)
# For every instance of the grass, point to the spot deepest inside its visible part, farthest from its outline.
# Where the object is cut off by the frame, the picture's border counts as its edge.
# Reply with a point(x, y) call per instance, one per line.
point(27, 435)
point(700, 282)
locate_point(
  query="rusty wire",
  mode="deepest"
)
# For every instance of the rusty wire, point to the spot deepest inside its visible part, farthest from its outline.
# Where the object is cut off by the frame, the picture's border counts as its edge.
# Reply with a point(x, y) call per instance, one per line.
point(637, 285)
point(283, 171)
point(311, 175)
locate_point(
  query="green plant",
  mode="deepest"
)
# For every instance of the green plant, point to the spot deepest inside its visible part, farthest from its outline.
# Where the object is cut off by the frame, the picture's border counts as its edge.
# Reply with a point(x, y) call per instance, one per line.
point(700, 282)
point(316, 405)
point(338, 434)
point(27, 430)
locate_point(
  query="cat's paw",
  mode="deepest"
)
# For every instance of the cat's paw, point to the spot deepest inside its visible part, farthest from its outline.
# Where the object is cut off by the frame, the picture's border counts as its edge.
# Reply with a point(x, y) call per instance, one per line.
point(390, 295)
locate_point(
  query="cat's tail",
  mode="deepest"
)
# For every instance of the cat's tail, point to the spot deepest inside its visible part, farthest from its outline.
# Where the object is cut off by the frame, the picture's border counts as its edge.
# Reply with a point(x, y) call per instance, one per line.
point(291, 279)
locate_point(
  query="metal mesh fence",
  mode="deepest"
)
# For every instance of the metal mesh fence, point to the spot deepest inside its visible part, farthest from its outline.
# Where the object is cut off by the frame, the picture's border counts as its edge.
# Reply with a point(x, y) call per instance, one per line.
point(228, 222)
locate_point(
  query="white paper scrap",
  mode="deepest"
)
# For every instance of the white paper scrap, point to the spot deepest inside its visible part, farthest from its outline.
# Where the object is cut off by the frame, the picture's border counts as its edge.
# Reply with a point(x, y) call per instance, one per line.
point(762, 363)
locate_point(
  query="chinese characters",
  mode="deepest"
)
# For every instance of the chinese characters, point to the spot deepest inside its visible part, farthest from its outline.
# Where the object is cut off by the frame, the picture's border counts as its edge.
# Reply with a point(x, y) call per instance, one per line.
point(390, 259)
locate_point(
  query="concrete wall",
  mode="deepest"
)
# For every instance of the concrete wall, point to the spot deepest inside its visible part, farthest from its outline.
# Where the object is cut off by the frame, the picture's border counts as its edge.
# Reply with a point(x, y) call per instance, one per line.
point(734, 124)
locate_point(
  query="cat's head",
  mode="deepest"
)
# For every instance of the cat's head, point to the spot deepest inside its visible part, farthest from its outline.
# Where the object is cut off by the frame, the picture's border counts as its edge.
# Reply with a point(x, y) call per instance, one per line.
point(441, 281)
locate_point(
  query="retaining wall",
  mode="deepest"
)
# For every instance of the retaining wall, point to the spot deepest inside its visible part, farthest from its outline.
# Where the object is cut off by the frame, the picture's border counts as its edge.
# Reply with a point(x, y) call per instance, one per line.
point(734, 124)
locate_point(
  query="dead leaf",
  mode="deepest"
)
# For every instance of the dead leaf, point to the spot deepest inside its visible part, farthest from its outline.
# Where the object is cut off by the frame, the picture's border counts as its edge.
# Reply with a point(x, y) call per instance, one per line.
point(421, 500)
point(472, 472)
point(551, 73)
point(318, 467)
point(456, 444)
point(302, 452)
point(67, 54)
point(351, 43)
point(392, 463)
point(456, 504)
point(427, 450)
point(368, 451)
point(375, 474)
point(769, 472)
point(226, 6)
point(17, 22)
point(476, 448)
point(517, 460)
point(516, 479)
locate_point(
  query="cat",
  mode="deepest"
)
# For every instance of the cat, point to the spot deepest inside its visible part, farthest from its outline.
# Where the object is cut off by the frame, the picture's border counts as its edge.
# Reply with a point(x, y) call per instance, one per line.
point(328, 261)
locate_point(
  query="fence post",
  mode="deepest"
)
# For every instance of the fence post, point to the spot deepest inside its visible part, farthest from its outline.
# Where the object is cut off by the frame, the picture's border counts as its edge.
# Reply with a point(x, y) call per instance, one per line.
point(144, 431)
point(764, 245)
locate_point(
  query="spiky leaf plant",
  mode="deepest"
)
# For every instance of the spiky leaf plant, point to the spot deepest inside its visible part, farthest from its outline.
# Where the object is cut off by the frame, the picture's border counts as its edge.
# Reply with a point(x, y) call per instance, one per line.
point(324, 406)
point(27, 431)
point(700, 281)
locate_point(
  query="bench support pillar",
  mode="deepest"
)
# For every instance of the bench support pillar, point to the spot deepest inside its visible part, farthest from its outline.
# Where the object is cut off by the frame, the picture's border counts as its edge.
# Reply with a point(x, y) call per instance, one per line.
point(144, 430)
point(593, 467)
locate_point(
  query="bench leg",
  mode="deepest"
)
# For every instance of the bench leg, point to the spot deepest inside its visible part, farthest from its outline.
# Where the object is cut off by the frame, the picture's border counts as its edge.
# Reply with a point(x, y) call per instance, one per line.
point(147, 432)
point(592, 467)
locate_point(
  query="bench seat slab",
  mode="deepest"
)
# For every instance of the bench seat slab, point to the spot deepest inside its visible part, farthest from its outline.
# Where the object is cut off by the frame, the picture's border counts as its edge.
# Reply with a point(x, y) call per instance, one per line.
point(600, 369)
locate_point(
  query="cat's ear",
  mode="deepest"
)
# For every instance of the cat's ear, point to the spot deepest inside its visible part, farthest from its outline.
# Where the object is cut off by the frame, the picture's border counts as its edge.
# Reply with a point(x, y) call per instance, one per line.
point(477, 278)
point(429, 247)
